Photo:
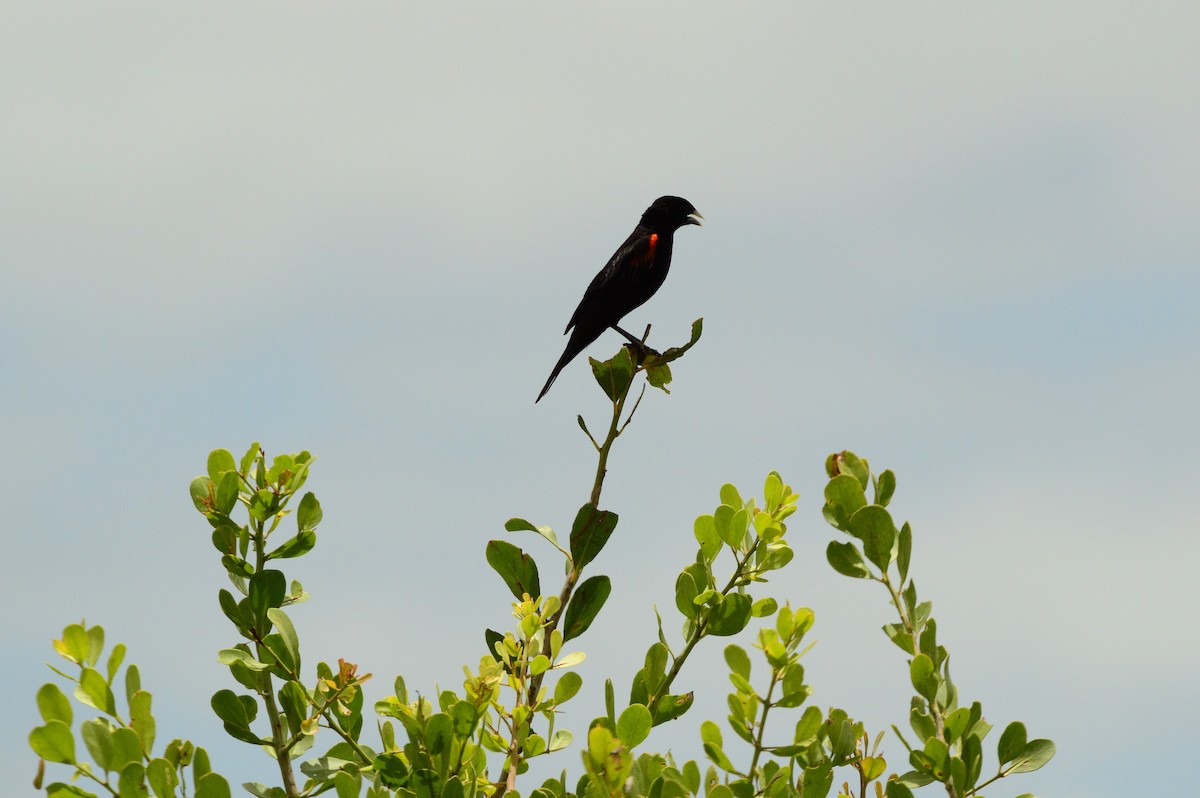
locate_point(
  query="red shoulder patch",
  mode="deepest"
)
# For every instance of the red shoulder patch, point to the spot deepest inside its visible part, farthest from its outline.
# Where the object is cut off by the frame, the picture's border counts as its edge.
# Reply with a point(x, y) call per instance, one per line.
point(653, 243)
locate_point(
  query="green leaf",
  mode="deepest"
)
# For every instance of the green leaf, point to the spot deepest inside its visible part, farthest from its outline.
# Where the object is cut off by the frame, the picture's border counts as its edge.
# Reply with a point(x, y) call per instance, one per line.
point(294, 700)
point(885, 486)
point(924, 677)
point(731, 524)
point(972, 756)
point(52, 704)
point(453, 789)
point(521, 525)
point(743, 686)
point(843, 497)
point(237, 712)
point(589, 598)
point(1034, 755)
point(126, 748)
point(204, 494)
point(202, 764)
point(516, 568)
point(439, 733)
point(633, 727)
point(567, 687)
point(738, 660)
point(808, 726)
point(219, 461)
point(212, 785)
point(133, 681)
point(268, 588)
point(490, 638)
point(298, 546)
point(686, 591)
point(95, 638)
point(846, 559)
point(922, 724)
point(873, 525)
point(795, 691)
point(850, 463)
point(225, 538)
point(392, 770)
point(898, 635)
point(730, 616)
point(287, 633)
point(93, 690)
point(717, 756)
point(74, 644)
point(60, 790)
point(764, 607)
point(589, 532)
point(53, 742)
point(115, 658)
point(237, 567)
point(141, 720)
point(654, 670)
point(249, 457)
point(897, 790)
point(904, 551)
point(670, 707)
point(705, 529)
point(777, 555)
point(162, 778)
point(309, 514)
point(226, 495)
point(1012, 742)
point(659, 376)
point(231, 656)
point(676, 352)
point(615, 375)
point(129, 784)
point(956, 724)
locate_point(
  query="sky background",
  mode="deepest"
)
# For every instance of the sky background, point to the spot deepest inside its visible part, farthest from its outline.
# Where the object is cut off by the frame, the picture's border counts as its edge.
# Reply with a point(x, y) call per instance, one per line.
point(958, 239)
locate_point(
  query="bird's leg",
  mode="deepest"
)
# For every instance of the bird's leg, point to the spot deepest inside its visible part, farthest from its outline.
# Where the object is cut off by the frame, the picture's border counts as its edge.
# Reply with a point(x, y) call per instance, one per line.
point(631, 337)
point(637, 345)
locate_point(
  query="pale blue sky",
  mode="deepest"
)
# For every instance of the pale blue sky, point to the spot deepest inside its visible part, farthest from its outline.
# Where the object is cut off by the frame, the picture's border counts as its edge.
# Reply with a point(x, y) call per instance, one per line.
point(960, 240)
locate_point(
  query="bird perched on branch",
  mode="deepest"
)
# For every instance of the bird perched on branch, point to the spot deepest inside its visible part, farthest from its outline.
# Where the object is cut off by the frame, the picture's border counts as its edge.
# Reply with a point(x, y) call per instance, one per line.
point(631, 276)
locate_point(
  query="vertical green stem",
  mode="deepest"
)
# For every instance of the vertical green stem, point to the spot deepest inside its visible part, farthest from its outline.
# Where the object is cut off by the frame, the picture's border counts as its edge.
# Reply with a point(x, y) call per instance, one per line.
point(267, 691)
point(696, 636)
point(564, 596)
point(939, 720)
point(762, 726)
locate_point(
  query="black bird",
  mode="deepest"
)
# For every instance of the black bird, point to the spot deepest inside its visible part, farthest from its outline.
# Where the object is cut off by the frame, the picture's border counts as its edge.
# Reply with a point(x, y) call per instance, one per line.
point(631, 276)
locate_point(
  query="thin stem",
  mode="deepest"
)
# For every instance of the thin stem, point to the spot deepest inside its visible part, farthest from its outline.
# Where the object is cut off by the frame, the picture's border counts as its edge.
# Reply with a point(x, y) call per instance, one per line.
point(762, 726)
point(92, 776)
point(325, 713)
point(615, 428)
point(975, 790)
point(695, 637)
point(267, 690)
point(939, 720)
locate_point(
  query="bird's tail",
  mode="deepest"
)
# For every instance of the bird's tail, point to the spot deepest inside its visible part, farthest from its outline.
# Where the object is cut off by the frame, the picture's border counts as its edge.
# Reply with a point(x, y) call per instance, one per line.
point(575, 345)
point(562, 361)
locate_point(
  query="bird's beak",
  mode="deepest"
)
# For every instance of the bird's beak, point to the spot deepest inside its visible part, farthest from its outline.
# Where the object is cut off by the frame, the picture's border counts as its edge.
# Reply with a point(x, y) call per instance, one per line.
point(695, 218)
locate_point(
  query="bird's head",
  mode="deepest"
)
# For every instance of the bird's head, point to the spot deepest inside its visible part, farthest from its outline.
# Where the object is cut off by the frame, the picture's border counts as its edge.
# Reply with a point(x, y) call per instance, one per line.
point(670, 213)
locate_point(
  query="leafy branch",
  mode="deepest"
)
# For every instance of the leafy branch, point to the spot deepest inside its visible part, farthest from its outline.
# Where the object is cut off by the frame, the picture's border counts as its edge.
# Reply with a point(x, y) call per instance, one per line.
point(950, 735)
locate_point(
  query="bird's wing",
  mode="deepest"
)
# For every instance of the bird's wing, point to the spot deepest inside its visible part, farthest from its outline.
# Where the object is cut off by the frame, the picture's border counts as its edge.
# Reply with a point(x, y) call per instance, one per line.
point(636, 254)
